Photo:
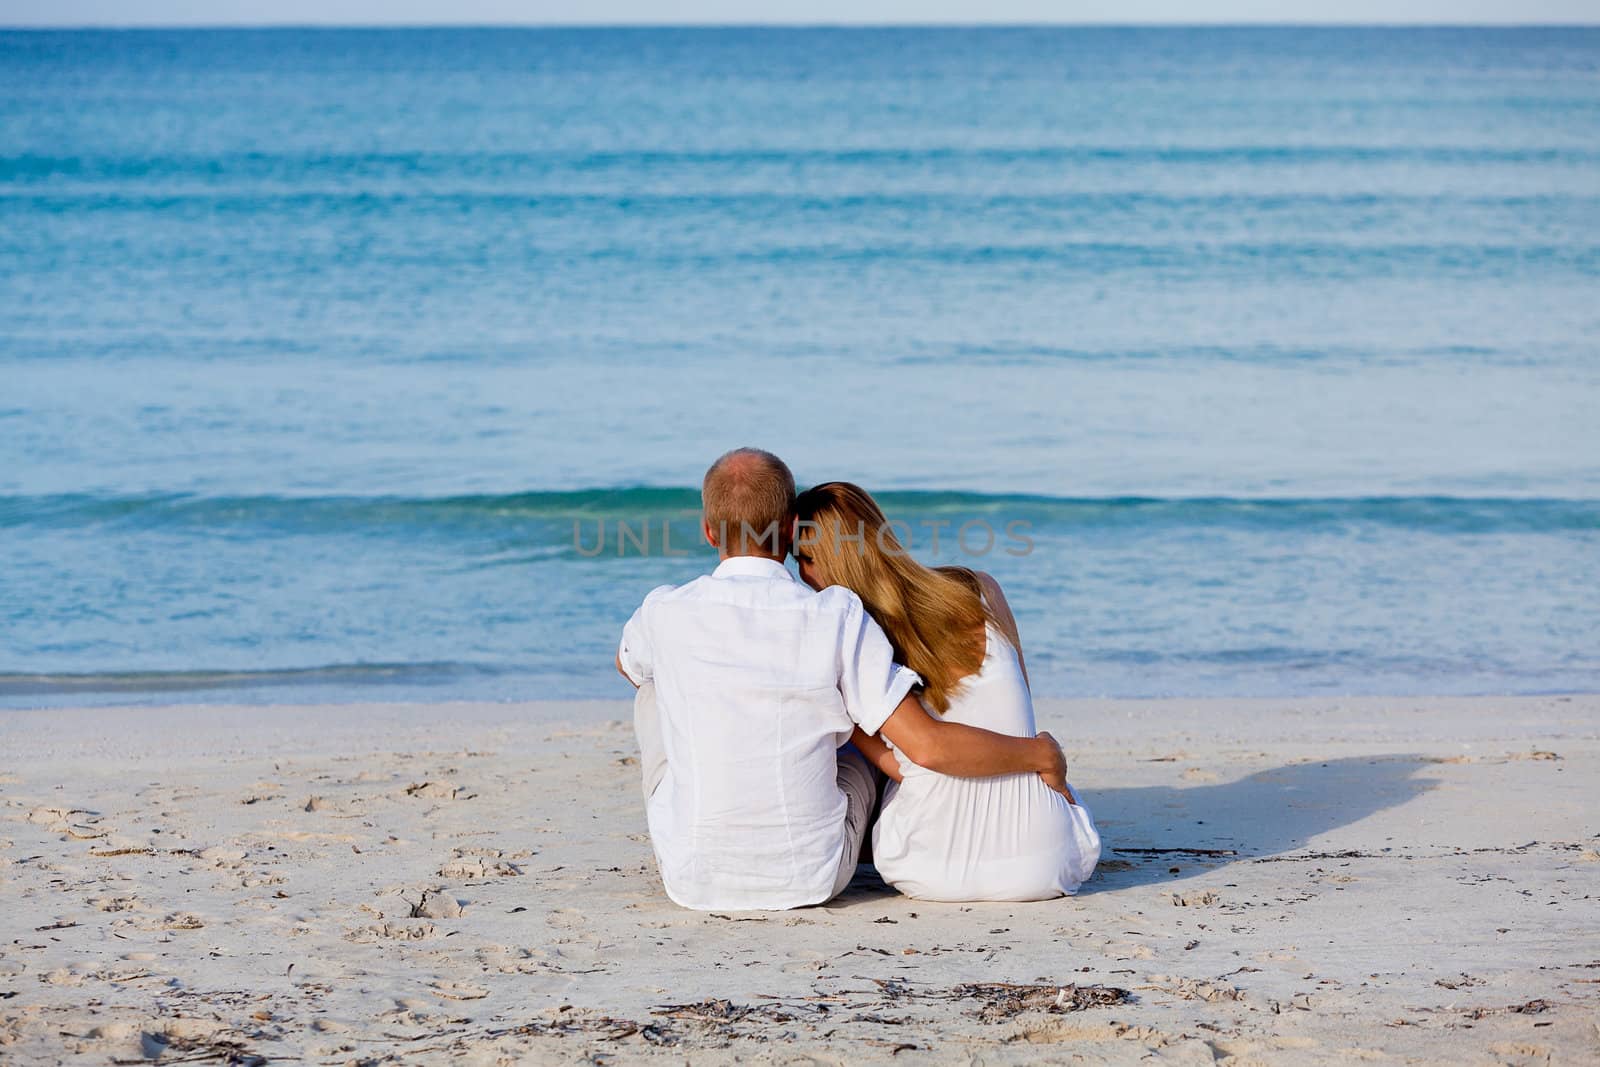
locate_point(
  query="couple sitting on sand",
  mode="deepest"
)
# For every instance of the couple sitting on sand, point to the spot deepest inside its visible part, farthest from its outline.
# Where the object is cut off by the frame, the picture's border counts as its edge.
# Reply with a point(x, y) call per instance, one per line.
point(769, 713)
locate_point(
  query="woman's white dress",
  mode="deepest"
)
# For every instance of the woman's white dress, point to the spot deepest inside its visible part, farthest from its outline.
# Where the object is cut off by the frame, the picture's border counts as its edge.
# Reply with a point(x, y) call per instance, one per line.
point(1006, 838)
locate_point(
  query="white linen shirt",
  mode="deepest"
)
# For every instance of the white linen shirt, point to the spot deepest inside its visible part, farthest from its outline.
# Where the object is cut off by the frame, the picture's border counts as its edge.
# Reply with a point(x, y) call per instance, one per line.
point(758, 681)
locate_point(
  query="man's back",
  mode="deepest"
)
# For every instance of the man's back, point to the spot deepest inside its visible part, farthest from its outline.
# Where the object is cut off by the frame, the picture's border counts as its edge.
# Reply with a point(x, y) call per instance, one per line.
point(757, 682)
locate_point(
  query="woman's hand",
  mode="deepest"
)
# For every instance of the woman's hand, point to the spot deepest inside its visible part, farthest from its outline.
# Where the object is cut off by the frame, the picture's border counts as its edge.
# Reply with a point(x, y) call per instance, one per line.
point(1056, 776)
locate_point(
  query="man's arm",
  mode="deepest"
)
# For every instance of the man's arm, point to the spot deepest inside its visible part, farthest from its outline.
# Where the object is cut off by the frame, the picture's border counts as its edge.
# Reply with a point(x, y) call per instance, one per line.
point(634, 654)
point(869, 678)
point(970, 752)
point(877, 753)
point(625, 673)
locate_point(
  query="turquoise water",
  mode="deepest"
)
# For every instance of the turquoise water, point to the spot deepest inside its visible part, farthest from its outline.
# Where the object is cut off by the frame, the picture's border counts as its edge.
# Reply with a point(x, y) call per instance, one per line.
point(326, 356)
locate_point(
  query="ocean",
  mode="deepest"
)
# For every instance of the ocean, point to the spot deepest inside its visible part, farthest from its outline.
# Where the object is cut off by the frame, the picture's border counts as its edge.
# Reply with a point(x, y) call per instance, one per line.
point(1251, 361)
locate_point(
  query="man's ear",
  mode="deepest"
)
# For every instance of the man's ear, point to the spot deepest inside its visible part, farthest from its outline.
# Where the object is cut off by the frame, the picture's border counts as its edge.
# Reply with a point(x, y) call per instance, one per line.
point(707, 533)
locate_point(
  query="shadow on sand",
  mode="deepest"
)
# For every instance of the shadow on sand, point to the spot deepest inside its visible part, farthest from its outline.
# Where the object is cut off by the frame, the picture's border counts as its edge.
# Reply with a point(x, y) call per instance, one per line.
point(1263, 814)
point(1147, 831)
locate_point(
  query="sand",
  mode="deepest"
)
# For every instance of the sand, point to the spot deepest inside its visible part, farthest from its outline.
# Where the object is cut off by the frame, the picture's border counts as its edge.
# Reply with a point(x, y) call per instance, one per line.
point(1284, 881)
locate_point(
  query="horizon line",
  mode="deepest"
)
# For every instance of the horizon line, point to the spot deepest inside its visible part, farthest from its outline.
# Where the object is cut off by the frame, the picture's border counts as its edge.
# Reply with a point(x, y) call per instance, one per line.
point(798, 25)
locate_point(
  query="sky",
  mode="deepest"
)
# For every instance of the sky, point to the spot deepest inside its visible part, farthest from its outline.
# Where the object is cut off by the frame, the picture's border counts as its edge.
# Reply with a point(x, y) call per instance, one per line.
point(808, 12)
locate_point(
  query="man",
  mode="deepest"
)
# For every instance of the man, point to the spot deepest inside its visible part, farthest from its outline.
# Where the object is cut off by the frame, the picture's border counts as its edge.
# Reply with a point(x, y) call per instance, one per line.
point(749, 684)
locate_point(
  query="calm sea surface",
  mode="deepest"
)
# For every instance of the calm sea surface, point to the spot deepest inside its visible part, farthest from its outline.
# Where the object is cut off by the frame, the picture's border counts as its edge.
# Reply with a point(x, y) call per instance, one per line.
point(328, 358)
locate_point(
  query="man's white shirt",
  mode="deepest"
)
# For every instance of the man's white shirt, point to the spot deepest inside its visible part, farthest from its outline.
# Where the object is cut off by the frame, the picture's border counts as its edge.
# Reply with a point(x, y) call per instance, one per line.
point(758, 681)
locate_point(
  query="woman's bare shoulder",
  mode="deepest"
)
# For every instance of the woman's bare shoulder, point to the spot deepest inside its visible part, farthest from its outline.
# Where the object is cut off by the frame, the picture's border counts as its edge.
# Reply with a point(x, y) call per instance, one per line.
point(991, 590)
point(995, 598)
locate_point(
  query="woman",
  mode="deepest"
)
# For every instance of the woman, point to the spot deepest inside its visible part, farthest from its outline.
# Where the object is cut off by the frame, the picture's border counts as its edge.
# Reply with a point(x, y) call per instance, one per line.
point(937, 837)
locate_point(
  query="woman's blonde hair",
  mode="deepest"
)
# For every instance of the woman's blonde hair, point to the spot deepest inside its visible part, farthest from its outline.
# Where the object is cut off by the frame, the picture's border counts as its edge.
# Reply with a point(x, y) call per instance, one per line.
point(934, 617)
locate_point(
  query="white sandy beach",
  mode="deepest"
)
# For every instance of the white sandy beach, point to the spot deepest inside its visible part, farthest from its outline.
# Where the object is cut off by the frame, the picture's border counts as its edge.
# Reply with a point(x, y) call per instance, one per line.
point(1316, 880)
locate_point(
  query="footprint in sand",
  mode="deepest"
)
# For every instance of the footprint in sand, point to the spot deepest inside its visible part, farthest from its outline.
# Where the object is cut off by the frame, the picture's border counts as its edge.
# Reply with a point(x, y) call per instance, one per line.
point(254, 879)
point(115, 903)
point(507, 960)
point(115, 1031)
point(236, 862)
point(536, 970)
point(49, 816)
point(1052, 1032)
point(391, 931)
point(1202, 899)
point(219, 856)
point(328, 1025)
point(438, 791)
point(458, 990)
point(77, 823)
point(152, 1039)
point(68, 976)
point(1259, 1051)
point(183, 1032)
point(476, 864)
point(410, 1011)
point(566, 919)
point(1127, 950)
point(491, 853)
point(805, 961)
point(1194, 988)
point(578, 951)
